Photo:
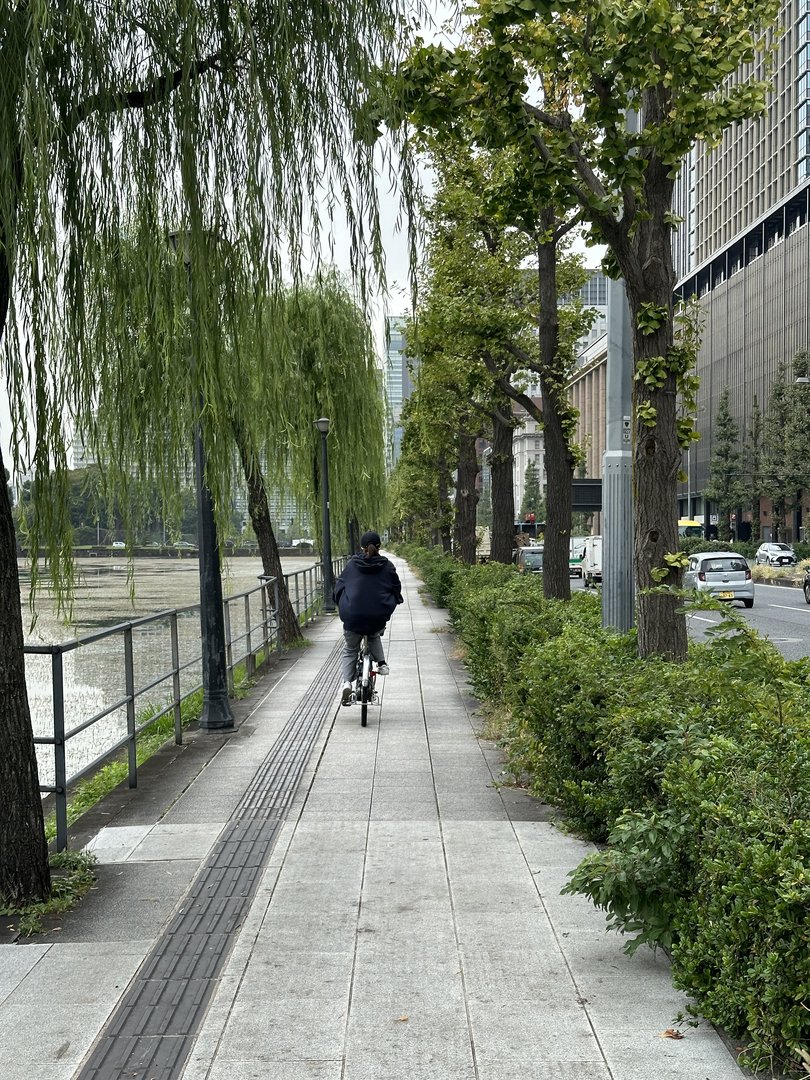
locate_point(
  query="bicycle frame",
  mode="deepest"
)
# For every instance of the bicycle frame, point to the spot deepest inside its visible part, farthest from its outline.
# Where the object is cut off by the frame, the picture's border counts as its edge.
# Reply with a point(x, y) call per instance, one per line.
point(365, 681)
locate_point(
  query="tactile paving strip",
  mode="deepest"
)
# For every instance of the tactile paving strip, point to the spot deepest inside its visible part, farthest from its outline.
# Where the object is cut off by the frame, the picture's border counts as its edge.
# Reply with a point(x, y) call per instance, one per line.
point(151, 1032)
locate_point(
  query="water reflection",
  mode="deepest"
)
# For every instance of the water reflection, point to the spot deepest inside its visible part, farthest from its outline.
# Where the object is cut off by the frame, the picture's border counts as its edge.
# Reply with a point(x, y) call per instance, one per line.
point(109, 593)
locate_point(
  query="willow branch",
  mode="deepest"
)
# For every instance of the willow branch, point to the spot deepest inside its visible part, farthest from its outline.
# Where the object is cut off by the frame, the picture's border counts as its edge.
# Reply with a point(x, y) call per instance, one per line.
point(112, 101)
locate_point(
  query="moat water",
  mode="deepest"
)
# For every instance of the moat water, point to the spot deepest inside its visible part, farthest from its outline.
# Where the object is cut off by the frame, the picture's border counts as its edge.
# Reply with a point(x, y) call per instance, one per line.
point(108, 593)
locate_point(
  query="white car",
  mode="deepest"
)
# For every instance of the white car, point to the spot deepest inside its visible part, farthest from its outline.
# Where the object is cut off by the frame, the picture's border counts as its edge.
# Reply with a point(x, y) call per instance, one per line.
point(118, 544)
point(724, 574)
point(775, 555)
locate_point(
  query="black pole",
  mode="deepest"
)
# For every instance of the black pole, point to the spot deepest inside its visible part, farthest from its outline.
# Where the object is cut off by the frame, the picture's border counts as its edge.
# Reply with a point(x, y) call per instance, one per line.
point(326, 546)
point(216, 711)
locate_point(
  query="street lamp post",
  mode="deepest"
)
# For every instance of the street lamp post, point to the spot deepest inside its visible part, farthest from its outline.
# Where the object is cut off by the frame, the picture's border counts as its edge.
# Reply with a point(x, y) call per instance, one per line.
point(216, 711)
point(326, 547)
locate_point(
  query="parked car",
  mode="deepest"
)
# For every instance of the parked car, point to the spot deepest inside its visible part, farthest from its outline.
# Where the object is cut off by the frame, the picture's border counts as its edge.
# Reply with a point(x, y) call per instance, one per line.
point(118, 544)
point(775, 555)
point(724, 574)
point(592, 561)
point(575, 556)
point(530, 559)
point(184, 545)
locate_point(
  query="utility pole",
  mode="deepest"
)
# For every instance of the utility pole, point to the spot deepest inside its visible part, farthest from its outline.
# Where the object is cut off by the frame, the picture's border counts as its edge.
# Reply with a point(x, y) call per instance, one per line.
point(617, 467)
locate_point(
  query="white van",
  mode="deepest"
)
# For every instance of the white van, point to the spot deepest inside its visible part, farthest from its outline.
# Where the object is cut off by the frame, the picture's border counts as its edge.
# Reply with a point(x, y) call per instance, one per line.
point(592, 561)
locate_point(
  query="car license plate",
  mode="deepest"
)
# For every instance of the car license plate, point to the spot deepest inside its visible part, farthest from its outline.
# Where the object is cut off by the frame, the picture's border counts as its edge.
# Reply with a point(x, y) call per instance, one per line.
point(725, 595)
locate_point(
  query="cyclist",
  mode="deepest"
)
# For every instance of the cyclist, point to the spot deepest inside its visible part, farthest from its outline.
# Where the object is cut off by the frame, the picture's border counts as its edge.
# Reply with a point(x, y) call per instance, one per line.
point(366, 594)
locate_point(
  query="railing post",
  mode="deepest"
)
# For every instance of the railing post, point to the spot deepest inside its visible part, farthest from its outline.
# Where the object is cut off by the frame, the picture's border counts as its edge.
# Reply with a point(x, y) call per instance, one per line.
point(298, 600)
point(277, 600)
point(129, 689)
point(250, 662)
point(59, 764)
point(265, 620)
point(228, 646)
point(178, 711)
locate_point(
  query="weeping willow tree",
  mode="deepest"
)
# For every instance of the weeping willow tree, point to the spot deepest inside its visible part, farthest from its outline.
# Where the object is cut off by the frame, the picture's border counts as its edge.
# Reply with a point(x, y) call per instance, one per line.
point(313, 355)
point(227, 121)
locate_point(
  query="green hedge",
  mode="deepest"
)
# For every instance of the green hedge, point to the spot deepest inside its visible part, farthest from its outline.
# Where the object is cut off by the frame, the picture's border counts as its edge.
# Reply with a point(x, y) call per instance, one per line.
point(697, 775)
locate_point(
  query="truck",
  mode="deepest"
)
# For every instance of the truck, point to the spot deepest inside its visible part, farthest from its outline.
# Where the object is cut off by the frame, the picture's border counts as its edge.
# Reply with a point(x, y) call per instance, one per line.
point(592, 561)
point(576, 551)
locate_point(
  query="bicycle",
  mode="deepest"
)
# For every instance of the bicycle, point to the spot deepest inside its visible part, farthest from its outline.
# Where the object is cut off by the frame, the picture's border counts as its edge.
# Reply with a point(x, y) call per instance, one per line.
point(364, 689)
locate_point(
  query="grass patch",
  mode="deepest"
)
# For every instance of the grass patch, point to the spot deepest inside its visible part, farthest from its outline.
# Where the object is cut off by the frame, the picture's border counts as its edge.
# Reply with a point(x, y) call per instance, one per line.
point(496, 723)
point(72, 875)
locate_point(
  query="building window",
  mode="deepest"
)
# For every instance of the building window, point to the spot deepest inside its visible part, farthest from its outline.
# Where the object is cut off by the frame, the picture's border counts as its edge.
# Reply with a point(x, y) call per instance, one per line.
point(803, 168)
point(537, 444)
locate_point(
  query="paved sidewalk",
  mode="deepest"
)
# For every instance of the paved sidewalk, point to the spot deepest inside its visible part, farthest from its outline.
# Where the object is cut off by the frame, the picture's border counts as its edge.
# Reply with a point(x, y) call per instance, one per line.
point(407, 925)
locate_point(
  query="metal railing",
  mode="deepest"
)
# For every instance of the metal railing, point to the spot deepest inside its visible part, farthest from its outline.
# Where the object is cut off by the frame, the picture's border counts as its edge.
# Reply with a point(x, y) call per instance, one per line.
point(251, 632)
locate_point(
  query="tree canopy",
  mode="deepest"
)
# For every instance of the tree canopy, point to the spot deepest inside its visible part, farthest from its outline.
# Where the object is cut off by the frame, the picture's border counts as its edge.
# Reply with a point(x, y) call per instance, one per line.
point(603, 101)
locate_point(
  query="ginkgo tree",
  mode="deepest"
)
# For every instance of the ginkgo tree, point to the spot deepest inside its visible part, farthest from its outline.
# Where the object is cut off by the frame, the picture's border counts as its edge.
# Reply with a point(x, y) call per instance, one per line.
point(491, 304)
point(564, 84)
point(237, 124)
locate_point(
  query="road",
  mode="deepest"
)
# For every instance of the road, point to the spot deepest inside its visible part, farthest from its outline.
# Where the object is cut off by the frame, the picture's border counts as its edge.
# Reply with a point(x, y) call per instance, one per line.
point(779, 613)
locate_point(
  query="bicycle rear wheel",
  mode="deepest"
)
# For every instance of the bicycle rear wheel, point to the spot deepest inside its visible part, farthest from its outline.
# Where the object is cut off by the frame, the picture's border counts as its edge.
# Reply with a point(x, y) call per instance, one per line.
point(365, 689)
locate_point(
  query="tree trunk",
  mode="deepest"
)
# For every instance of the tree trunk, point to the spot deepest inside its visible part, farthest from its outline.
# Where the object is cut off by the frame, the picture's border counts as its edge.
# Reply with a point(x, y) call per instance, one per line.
point(445, 536)
point(559, 459)
point(756, 520)
point(779, 512)
point(466, 500)
point(503, 491)
point(259, 512)
point(723, 523)
point(656, 461)
point(24, 870)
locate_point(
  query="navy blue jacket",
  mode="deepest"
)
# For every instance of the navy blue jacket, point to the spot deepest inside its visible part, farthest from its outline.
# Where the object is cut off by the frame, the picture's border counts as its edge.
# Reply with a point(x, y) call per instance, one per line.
point(367, 592)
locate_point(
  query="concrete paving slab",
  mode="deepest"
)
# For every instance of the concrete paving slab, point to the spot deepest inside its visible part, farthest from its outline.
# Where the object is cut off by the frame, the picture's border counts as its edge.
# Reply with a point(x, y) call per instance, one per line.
point(90, 973)
point(173, 840)
point(62, 1070)
point(291, 1029)
point(16, 963)
point(429, 1065)
point(278, 1070)
point(117, 842)
point(546, 1070)
point(130, 902)
point(49, 1033)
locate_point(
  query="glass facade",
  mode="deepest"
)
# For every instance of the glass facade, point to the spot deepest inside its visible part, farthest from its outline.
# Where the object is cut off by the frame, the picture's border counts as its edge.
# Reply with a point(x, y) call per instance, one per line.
point(398, 383)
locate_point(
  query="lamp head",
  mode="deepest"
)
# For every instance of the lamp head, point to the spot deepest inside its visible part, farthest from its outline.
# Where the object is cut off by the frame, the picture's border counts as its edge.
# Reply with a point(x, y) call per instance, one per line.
point(179, 241)
point(323, 425)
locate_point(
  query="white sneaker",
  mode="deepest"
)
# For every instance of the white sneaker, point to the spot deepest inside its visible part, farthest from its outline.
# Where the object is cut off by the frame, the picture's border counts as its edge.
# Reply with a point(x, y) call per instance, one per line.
point(383, 669)
point(346, 695)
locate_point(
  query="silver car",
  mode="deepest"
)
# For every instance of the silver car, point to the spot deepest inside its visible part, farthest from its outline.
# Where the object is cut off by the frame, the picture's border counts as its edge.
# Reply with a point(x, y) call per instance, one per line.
point(775, 555)
point(724, 574)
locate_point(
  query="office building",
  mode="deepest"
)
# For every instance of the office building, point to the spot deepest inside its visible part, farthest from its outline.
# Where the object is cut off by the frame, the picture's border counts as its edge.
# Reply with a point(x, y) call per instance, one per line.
point(398, 383)
point(744, 250)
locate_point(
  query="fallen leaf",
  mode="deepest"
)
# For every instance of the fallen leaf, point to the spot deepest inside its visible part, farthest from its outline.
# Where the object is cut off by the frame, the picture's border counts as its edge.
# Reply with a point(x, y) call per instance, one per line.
point(402, 1019)
point(671, 1033)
